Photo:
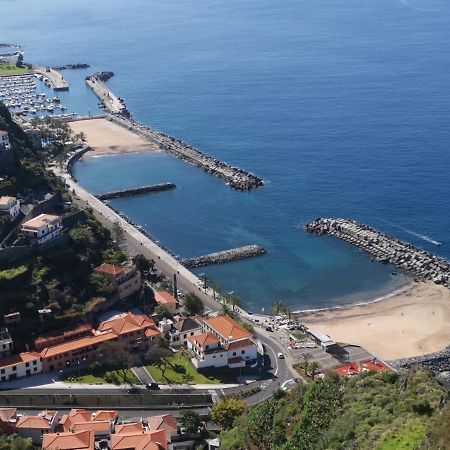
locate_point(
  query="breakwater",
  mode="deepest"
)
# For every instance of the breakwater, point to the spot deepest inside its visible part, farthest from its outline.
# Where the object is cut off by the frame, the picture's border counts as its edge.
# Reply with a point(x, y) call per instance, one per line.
point(233, 254)
point(55, 78)
point(109, 101)
point(235, 177)
point(136, 191)
point(387, 249)
point(72, 66)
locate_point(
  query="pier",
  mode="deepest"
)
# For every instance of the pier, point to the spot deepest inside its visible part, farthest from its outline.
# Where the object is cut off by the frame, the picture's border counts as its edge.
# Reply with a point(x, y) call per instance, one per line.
point(56, 79)
point(110, 101)
point(137, 191)
point(387, 249)
point(236, 178)
point(233, 254)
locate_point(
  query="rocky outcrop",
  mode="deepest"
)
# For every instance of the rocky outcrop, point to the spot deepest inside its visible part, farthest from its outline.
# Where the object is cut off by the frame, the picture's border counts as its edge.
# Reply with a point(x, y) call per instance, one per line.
point(438, 362)
point(137, 191)
point(226, 256)
point(72, 66)
point(422, 264)
point(102, 76)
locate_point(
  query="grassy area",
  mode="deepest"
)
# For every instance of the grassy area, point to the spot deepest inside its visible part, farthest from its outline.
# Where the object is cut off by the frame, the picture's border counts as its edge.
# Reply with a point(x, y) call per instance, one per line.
point(10, 274)
point(180, 370)
point(9, 68)
point(102, 378)
point(410, 437)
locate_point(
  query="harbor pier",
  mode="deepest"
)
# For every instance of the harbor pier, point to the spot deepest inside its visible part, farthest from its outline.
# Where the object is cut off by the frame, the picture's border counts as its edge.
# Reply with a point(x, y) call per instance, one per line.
point(233, 254)
point(136, 191)
point(109, 100)
point(387, 249)
point(55, 78)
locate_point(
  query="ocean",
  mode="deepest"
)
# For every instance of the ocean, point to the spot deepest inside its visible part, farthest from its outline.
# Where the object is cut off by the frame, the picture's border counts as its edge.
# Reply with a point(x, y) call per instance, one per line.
point(341, 106)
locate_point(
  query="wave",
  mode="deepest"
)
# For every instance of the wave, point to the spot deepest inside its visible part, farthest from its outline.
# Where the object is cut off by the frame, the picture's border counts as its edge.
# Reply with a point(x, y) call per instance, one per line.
point(424, 237)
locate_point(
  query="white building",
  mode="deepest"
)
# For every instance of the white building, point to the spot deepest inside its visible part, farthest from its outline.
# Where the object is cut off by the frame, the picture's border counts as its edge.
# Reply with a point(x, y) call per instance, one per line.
point(223, 343)
point(9, 206)
point(183, 329)
point(43, 228)
point(6, 343)
point(4, 140)
point(22, 365)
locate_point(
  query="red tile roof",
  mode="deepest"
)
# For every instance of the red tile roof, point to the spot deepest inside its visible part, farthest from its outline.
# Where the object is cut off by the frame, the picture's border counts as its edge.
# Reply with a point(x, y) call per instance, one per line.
point(106, 414)
point(101, 426)
point(228, 328)
point(129, 428)
point(164, 298)
point(203, 339)
point(165, 422)
point(83, 440)
point(6, 414)
point(147, 440)
point(40, 422)
point(75, 416)
point(3, 133)
point(110, 269)
point(18, 359)
point(126, 323)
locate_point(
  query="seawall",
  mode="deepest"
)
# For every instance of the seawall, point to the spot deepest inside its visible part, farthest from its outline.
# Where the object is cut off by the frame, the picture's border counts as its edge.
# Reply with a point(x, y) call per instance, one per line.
point(137, 191)
point(233, 254)
point(387, 249)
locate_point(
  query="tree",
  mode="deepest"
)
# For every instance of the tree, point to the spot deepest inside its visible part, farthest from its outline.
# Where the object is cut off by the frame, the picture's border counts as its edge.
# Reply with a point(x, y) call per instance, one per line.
point(14, 442)
point(191, 421)
point(278, 307)
point(158, 354)
point(119, 357)
point(306, 357)
point(142, 265)
point(226, 410)
point(118, 234)
point(193, 305)
point(162, 311)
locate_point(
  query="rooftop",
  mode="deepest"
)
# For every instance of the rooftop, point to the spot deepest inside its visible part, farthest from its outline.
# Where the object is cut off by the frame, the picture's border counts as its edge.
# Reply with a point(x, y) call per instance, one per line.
point(6, 414)
point(40, 221)
point(41, 422)
point(165, 298)
point(18, 359)
point(3, 133)
point(126, 323)
point(228, 328)
point(186, 324)
point(6, 201)
point(106, 414)
point(83, 440)
point(146, 440)
point(101, 426)
point(165, 422)
point(110, 269)
point(203, 339)
point(127, 428)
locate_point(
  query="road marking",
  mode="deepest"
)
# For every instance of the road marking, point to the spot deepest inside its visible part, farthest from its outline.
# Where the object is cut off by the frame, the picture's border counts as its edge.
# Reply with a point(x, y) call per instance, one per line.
point(275, 355)
point(286, 382)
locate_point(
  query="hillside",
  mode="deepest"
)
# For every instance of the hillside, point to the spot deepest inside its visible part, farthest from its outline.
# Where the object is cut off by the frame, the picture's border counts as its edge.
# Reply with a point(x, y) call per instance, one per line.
point(372, 411)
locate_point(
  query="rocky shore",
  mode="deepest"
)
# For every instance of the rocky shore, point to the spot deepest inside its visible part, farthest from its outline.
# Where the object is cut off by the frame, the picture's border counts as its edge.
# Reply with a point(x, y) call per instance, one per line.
point(387, 249)
point(136, 191)
point(233, 254)
point(235, 177)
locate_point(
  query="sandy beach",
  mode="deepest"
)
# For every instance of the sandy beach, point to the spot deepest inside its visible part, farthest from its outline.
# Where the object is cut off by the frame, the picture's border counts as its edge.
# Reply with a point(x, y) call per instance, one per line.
point(107, 138)
point(411, 323)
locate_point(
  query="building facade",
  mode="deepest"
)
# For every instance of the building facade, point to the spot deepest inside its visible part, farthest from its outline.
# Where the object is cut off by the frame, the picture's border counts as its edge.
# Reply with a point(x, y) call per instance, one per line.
point(125, 277)
point(42, 229)
point(22, 365)
point(9, 206)
point(6, 343)
point(4, 141)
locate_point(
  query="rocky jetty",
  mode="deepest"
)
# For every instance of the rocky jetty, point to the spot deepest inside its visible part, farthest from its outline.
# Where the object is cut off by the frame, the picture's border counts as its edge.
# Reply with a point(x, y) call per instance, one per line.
point(72, 66)
point(233, 254)
point(235, 177)
point(422, 264)
point(137, 191)
point(102, 76)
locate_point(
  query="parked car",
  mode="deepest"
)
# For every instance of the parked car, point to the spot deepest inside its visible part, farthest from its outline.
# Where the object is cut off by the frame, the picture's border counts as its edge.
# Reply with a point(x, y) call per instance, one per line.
point(152, 387)
point(269, 329)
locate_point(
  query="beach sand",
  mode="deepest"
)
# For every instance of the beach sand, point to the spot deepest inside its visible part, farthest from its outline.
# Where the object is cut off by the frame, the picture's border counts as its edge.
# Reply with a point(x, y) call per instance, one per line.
point(411, 323)
point(107, 138)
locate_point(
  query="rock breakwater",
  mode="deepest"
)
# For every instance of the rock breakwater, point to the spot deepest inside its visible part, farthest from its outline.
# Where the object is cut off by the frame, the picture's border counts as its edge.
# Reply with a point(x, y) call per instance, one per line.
point(233, 254)
point(387, 249)
point(136, 191)
point(72, 66)
point(235, 177)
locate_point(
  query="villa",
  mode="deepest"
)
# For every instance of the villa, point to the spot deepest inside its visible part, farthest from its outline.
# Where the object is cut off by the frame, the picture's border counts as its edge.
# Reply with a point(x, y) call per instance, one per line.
point(184, 328)
point(125, 277)
point(223, 343)
point(9, 206)
point(43, 229)
point(21, 365)
point(166, 299)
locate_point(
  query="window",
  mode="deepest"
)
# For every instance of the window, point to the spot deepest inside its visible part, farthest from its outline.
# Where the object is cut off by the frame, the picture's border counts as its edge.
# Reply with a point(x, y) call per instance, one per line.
point(14, 368)
point(27, 364)
point(3, 378)
point(234, 353)
point(34, 363)
point(2, 371)
point(35, 369)
point(243, 352)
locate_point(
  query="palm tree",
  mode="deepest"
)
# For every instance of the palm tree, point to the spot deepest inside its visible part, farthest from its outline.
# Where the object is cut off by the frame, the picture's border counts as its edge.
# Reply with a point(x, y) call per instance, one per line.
point(278, 307)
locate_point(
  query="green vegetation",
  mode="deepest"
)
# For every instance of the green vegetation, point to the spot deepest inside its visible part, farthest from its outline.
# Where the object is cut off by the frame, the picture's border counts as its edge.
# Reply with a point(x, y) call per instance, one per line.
point(193, 305)
point(14, 442)
point(191, 421)
point(226, 410)
point(179, 369)
point(10, 68)
point(371, 411)
point(11, 274)
point(102, 376)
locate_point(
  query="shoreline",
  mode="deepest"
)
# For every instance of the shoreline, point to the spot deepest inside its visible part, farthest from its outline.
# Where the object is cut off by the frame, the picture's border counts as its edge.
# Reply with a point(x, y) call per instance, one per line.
point(412, 322)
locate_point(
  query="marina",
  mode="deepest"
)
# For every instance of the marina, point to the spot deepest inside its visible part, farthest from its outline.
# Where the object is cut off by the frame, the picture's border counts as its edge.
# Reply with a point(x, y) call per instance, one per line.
point(21, 95)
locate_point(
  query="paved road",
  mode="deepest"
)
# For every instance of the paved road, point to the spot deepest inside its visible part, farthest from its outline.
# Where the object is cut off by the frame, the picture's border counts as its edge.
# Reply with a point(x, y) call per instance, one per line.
point(142, 373)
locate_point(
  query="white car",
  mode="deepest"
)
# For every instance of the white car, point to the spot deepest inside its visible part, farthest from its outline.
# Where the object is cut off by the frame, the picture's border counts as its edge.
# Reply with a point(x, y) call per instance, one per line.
point(280, 356)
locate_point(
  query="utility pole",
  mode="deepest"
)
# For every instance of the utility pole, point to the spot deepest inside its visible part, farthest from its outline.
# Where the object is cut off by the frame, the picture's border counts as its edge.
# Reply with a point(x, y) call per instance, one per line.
point(175, 287)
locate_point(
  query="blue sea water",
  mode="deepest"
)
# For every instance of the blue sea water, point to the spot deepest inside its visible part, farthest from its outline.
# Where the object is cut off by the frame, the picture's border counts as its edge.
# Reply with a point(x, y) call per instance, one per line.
point(342, 106)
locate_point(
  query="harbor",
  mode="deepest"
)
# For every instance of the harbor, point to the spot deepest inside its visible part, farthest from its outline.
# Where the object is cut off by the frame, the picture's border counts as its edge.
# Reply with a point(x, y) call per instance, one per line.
point(386, 249)
point(52, 77)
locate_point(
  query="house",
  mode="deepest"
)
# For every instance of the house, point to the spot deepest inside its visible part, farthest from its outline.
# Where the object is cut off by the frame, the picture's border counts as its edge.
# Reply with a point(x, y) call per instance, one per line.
point(166, 422)
point(8, 420)
point(125, 277)
point(6, 343)
point(68, 421)
point(223, 343)
point(132, 330)
point(4, 141)
point(81, 440)
point(168, 300)
point(43, 229)
point(101, 423)
point(127, 428)
point(105, 414)
point(21, 365)
point(10, 207)
point(145, 440)
point(35, 427)
point(100, 428)
point(184, 328)
point(58, 337)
